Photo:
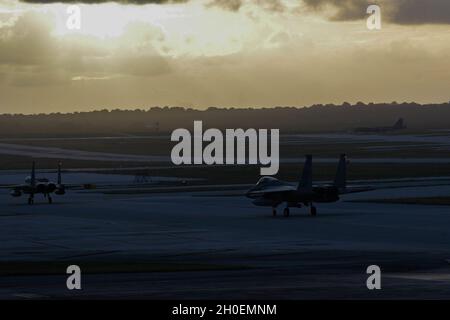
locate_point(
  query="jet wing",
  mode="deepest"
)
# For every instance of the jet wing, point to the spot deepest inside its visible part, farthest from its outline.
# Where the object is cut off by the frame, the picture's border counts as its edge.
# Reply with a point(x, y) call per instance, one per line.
point(274, 189)
point(12, 186)
point(78, 186)
point(360, 189)
point(357, 189)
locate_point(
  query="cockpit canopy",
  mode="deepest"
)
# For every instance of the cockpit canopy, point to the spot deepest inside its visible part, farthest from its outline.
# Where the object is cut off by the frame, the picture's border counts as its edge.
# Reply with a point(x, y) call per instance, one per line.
point(267, 180)
point(42, 180)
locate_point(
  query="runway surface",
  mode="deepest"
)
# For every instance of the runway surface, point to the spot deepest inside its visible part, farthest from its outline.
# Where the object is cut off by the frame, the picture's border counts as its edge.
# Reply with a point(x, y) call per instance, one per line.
point(377, 144)
point(226, 247)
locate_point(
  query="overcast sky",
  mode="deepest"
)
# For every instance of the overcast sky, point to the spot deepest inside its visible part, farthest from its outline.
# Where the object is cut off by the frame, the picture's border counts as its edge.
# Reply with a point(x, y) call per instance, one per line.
point(200, 53)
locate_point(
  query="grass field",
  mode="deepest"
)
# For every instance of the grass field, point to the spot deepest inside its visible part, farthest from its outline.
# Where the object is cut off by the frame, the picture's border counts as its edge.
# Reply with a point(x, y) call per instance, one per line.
point(160, 145)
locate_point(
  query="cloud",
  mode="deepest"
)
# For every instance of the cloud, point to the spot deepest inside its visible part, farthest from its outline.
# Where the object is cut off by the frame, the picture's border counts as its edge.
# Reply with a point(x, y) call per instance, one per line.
point(407, 12)
point(31, 56)
point(343, 9)
point(138, 2)
point(235, 5)
point(229, 5)
point(279, 59)
point(421, 12)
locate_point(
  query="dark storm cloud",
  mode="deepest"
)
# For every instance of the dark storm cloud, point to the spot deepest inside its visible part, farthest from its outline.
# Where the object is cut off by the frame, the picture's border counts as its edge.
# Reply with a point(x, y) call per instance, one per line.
point(399, 11)
point(421, 12)
point(346, 9)
point(231, 5)
point(104, 1)
point(235, 5)
point(395, 11)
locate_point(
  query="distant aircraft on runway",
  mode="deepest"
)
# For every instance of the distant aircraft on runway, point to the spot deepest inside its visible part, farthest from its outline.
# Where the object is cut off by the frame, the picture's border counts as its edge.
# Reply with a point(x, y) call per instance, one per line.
point(35, 185)
point(399, 125)
point(271, 192)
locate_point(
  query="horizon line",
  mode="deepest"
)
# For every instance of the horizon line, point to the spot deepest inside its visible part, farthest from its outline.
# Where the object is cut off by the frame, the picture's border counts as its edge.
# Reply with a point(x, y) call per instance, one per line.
point(231, 108)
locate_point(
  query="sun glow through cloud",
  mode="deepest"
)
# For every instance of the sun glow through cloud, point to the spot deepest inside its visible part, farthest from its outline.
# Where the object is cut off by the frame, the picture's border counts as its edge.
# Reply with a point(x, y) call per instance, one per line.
point(114, 18)
point(187, 29)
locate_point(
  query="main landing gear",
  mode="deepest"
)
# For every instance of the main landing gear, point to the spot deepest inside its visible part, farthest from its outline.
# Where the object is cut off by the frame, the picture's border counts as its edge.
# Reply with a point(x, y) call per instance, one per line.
point(49, 198)
point(286, 211)
point(31, 200)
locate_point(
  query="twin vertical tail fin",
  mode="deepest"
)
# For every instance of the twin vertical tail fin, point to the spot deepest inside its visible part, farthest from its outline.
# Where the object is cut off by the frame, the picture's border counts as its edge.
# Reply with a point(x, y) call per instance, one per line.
point(341, 175)
point(306, 180)
point(340, 180)
point(59, 173)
